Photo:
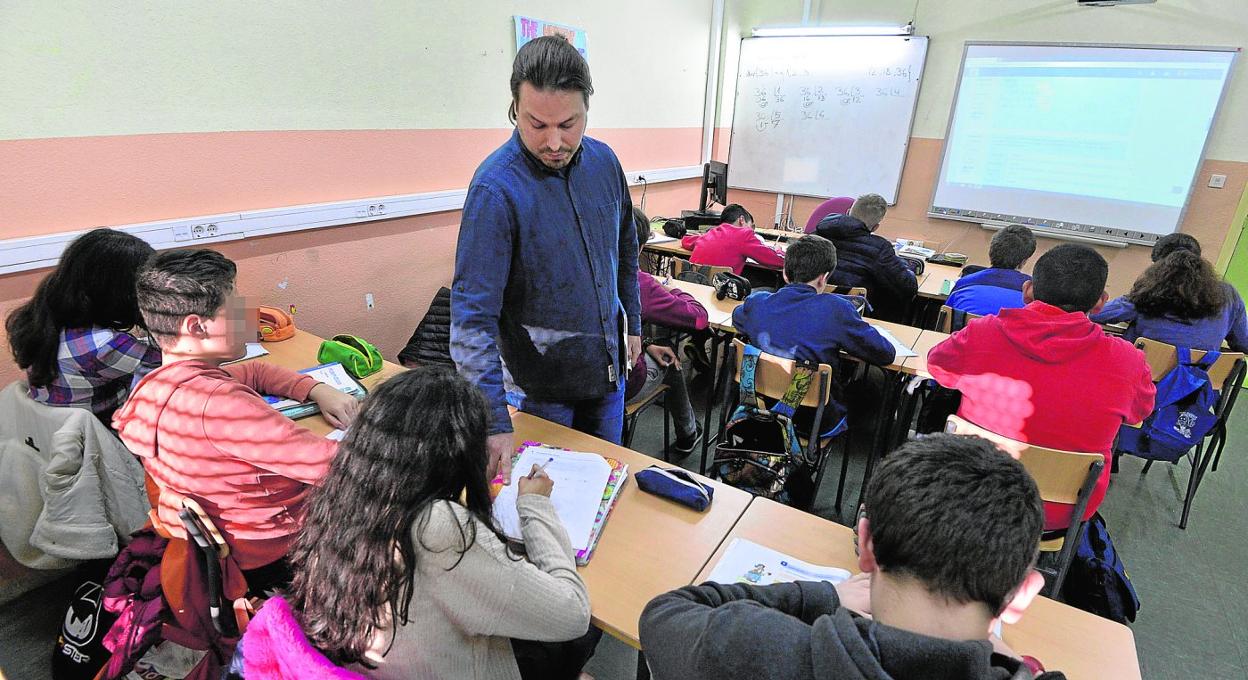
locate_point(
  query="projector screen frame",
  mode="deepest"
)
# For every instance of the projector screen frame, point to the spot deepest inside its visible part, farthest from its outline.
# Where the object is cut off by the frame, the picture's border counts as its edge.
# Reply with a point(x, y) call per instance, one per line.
point(1109, 235)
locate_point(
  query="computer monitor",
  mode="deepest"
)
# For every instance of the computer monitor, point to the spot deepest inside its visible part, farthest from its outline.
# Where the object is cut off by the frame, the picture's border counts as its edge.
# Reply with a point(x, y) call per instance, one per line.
point(714, 185)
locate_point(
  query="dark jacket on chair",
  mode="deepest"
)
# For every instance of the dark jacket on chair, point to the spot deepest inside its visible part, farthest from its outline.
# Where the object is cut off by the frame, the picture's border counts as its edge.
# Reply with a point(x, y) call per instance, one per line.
point(867, 260)
point(431, 343)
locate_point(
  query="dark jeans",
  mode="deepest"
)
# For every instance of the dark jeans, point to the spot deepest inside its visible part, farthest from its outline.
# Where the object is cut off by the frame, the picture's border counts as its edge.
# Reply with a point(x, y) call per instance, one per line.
point(555, 660)
point(602, 418)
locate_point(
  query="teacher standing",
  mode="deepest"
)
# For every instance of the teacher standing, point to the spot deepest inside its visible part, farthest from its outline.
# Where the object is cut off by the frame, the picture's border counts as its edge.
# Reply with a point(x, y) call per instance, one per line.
point(545, 313)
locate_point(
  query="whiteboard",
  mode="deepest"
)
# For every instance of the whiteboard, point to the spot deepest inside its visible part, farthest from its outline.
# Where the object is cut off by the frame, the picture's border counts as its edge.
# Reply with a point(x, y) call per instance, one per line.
point(825, 116)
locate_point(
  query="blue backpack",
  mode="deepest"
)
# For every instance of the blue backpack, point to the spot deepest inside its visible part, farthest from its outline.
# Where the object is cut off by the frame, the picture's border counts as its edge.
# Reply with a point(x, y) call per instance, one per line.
point(1183, 415)
point(1097, 581)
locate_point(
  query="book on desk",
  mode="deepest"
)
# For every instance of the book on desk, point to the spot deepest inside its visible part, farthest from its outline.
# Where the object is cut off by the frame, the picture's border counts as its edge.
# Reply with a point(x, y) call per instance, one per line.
point(332, 374)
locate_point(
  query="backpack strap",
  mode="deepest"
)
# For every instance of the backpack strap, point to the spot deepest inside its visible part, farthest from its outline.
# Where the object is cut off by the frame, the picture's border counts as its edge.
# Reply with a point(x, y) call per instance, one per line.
point(749, 367)
point(799, 385)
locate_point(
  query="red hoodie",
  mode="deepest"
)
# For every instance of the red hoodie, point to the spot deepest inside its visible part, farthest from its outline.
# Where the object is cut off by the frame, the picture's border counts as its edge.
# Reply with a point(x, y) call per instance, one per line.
point(728, 245)
point(205, 431)
point(1047, 377)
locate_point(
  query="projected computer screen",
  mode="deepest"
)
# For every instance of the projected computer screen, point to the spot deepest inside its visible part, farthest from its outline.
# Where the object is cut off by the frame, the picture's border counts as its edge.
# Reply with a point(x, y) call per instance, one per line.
point(1085, 138)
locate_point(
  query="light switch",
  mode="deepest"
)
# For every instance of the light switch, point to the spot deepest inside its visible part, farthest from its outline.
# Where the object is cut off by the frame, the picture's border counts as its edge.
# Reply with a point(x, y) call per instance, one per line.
point(1217, 181)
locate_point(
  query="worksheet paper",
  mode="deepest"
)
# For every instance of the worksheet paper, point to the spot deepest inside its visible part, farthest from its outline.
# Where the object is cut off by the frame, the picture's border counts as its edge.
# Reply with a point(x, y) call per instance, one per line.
point(254, 349)
point(902, 351)
point(750, 563)
point(332, 374)
point(580, 480)
point(336, 435)
point(656, 237)
point(717, 317)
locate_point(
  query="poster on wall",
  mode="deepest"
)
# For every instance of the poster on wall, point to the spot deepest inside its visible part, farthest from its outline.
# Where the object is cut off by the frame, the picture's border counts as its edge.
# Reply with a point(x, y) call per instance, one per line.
point(528, 28)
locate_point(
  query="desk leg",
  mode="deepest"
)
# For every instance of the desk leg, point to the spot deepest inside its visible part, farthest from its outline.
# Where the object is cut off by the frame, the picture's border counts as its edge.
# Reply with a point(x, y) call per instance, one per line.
point(882, 441)
point(711, 391)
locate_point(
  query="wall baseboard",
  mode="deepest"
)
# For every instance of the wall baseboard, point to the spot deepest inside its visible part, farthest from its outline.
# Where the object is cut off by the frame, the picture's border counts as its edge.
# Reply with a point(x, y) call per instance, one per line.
point(36, 252)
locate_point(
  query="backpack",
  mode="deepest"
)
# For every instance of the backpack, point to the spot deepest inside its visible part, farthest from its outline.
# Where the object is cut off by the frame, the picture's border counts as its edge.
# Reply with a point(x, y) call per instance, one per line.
point(1184, 413)
point(761, 452)
point(79, 652)
point(1097, 581)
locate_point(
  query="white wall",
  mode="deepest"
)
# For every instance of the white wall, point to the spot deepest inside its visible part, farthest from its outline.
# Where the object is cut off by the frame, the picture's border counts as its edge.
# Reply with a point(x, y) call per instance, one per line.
point(81, 67)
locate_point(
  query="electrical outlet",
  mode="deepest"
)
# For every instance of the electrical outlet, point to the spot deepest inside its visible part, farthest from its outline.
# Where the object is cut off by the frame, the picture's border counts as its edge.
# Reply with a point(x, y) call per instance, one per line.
point(368, 300)
point(1217, 181)
point(210, 229)
point(206, 230)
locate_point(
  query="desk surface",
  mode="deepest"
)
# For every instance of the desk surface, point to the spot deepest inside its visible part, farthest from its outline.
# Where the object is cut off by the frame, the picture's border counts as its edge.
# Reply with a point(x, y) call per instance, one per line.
point(1080, 644)
point(918, 365)
point(650, 545)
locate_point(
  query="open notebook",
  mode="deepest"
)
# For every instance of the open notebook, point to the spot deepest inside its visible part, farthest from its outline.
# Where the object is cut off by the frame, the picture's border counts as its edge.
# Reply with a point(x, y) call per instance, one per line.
point(332, 374)
point(586, 488)
point(748, 562)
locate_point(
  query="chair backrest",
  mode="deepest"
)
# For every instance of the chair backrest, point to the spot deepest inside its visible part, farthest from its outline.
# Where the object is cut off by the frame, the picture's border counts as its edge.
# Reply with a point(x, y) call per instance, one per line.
point(682, 269)
point(847, 290)
point(1060, 475)
point(1161, 358)
point(951, 320)
point(773, 375)
point(833, 206)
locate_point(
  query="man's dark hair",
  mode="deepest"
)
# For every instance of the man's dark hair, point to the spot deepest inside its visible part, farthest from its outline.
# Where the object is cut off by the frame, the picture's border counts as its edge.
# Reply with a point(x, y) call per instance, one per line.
point(1011, 247)
point(733, 212)
point(958, 515)
point(1171, 242)
point(1071, 277)
point(642, 223)
point(808, 257)
point(177, 283)
point(549, 63)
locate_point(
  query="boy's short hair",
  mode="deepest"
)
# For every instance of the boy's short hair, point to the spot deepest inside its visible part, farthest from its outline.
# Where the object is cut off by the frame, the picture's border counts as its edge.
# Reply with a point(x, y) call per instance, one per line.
point(869, 208)
point(733, 212)
point(808, 257)
point(958, 515)
point(1171, 242)
point(642, 224)
point(1011, 247)
point(1071, 277)
point(177, 283)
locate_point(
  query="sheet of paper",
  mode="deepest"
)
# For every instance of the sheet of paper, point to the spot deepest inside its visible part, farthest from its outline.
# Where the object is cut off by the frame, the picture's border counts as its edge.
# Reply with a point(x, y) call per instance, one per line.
point(254, 349)
point(580, 479)
point(717, 317)
point(748, 562)
point(656, 237)
point(333, 375)
point(336, 435)
point(902, 350)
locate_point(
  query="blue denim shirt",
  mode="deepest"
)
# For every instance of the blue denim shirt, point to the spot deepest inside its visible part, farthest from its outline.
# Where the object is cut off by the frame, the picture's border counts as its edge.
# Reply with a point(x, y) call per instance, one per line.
point(545, 278)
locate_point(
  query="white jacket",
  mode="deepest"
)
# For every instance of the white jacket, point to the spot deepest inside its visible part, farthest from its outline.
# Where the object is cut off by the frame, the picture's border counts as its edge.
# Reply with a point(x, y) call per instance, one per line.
point(69, 489)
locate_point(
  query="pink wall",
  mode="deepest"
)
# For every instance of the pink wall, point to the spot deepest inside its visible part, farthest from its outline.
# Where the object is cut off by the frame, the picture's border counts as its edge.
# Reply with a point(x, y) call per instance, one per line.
point(324, 273)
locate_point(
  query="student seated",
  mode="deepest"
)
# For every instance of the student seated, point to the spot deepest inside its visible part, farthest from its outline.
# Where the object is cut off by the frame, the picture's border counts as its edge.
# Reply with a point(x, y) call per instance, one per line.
point(203, 430)
point(658, 364)
point(729, 244)
point(80, 338)
point(946, 544)
point(1180, 300)
point(868, 260)
point(400, 570)
point(988, 291)
point(799, 322)
point(1046, 374)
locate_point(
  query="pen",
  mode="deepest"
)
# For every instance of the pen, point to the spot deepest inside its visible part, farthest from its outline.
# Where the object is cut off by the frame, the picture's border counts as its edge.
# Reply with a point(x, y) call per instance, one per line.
point(542, 467)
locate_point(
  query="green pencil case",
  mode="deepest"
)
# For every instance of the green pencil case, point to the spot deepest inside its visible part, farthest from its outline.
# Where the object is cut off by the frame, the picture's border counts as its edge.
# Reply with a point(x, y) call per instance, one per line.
point(357, 355)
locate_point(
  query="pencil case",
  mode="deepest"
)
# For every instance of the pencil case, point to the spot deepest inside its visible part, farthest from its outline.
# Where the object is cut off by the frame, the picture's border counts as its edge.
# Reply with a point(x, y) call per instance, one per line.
point(356, 355)
point(677, 485)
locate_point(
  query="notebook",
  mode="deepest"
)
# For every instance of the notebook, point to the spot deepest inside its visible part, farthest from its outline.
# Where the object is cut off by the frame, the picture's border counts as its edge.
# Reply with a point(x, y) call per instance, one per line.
point(603, 501)
point(333, 375)
point(748, 562)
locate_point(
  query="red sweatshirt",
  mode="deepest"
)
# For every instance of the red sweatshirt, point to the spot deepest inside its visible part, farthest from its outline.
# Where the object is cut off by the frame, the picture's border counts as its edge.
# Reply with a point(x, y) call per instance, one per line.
point(728, 245)
point(204, 430)
point(1047, 377)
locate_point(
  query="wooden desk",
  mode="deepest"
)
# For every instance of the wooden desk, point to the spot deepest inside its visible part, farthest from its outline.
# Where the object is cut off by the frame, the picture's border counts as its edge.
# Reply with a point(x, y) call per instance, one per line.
point(1080, 644)
point(718, 311)
point(650, 545)
point(926, 341)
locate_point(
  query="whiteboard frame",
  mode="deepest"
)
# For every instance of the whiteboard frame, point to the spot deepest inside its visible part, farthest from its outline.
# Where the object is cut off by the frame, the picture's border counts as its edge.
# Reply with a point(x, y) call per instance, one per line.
point(905, 155)
point(1104, 233)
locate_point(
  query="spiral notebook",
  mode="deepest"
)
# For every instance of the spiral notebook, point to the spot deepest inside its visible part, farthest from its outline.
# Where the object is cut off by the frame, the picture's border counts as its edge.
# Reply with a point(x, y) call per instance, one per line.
point(587, 496)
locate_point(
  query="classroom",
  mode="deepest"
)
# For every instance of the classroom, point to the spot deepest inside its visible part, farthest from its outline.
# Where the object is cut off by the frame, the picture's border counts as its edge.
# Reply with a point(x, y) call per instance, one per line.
point(663, 339)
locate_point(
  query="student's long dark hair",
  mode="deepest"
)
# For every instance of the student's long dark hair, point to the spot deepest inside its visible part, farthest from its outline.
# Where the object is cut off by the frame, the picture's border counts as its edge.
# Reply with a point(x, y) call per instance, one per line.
point(1181, 285)
point(420, 438)
point(93, 285)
